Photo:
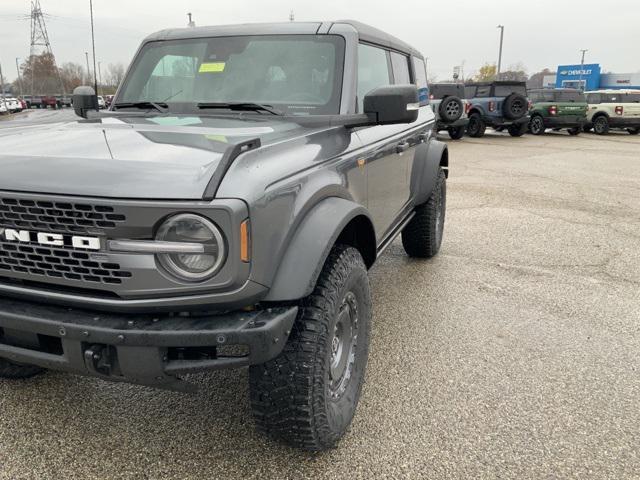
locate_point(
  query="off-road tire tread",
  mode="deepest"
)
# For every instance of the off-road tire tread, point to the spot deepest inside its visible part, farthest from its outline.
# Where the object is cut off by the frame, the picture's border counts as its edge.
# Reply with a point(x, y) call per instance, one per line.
point(419, 235)
point(287, 393)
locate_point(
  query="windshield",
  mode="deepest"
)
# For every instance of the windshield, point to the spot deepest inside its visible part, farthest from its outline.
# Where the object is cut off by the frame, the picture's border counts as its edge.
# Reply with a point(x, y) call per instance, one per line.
point(296, 74)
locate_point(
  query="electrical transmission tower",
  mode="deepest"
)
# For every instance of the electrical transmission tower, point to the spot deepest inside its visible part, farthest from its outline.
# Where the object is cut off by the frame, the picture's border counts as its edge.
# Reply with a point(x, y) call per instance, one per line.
point(40, 43)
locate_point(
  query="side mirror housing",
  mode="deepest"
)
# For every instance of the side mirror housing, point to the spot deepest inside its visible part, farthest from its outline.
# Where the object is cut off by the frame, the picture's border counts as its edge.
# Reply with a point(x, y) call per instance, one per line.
point(392, 104)
point(84, 99)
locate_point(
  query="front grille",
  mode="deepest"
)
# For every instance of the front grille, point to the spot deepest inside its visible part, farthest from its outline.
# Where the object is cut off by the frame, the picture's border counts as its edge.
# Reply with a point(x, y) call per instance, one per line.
point(60, 263)
point(65, 217)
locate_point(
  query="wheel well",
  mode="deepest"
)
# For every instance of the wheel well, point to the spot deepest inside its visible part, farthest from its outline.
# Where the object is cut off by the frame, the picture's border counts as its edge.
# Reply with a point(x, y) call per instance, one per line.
point(600, 114)
point(444, 162)
point(474, 110)
point(359, 233)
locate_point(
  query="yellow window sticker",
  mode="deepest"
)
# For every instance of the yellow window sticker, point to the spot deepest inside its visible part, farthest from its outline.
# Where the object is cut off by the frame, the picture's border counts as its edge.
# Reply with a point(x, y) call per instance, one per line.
point(215, 67)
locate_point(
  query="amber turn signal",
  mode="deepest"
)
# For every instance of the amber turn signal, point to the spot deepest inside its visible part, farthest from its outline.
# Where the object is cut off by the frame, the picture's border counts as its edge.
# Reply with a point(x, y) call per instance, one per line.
point(244, 241)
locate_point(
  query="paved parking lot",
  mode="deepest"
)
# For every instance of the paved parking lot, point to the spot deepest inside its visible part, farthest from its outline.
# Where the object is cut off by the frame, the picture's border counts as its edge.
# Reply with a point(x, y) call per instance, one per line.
point(513, 354)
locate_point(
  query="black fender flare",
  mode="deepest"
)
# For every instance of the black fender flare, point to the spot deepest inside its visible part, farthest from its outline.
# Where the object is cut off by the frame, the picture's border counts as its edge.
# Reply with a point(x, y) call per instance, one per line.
point(310, 246)
point(429, 158)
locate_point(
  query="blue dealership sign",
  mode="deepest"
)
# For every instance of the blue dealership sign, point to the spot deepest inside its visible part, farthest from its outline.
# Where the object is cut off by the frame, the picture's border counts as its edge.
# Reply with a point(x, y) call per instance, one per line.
point(572, 76)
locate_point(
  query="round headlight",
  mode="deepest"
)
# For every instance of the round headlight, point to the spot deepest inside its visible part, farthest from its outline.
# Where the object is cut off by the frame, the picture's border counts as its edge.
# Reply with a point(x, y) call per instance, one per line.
point(188, 229)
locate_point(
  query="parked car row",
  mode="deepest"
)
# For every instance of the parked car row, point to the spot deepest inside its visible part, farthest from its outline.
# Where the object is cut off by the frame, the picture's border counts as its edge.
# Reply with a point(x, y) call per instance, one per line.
point(11, 105)
point(508, 105)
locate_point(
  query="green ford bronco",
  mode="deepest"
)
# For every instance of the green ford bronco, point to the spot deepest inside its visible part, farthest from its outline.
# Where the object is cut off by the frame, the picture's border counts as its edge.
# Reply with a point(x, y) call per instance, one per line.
point(557, 109)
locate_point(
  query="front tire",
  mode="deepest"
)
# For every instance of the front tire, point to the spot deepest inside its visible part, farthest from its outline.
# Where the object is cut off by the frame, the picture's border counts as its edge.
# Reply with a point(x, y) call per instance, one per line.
point(14, 371)
point(633, 131)
point(422, 237)
point(456, 133)
point(601, 125)
point(476, 126)
point(536, 125)
point(307, 396)
point(574, 131)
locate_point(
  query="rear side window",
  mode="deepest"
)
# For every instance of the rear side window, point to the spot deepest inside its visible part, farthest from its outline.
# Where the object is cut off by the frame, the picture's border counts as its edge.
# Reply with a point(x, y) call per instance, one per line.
point(594, 98)
point(483, 91)
point(420, 70)
point(506, 90)
point(534, 97)
point(373, 71)
point(570, 97)
point(632, 98)
point(469, 91)
point(400, 65)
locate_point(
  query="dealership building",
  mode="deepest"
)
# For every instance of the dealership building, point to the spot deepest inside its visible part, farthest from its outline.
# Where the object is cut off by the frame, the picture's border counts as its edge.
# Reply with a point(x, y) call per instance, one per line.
point(589, 76)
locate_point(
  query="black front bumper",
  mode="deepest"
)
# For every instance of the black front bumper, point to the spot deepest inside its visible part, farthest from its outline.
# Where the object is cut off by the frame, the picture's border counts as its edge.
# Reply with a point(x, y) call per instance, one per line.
point(461, 122)
point(142, 349)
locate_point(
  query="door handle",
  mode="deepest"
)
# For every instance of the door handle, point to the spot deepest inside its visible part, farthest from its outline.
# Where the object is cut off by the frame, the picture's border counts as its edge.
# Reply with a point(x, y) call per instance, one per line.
point(402, 147)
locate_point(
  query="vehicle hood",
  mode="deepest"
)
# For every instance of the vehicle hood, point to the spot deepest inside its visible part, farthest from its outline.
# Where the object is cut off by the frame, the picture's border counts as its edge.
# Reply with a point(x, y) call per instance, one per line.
point(129, 157)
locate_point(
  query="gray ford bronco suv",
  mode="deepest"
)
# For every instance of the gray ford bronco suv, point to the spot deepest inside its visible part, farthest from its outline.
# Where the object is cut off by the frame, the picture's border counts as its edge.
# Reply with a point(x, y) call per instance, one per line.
point(498, 104)
point(223, 213)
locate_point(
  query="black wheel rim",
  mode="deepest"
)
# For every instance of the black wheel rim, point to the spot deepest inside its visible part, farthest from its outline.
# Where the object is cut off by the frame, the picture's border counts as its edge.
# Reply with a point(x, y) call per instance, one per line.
point(517, 108)
point(473, 125)
point(536, 125)
point(440, 214)
point(600, 125)
point(343, 346)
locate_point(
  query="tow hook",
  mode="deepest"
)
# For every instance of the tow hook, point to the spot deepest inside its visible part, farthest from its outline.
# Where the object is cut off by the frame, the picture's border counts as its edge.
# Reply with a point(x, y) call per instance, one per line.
point(99, 359)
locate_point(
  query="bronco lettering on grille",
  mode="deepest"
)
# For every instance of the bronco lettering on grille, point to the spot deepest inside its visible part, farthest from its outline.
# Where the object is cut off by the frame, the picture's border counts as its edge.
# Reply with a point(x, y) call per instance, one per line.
point(49, 239)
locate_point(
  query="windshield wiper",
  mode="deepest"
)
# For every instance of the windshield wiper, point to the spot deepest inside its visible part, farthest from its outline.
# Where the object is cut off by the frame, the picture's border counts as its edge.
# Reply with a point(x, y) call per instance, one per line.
point(240, 106)
point(161, 107)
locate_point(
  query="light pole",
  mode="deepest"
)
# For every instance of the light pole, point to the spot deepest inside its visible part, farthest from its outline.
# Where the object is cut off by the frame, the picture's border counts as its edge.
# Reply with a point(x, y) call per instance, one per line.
point(19, 78)
point(86, 55)
point(99, 76)
point(4, 102)
point(584, 50)
point(93, 44)
point(501, 27)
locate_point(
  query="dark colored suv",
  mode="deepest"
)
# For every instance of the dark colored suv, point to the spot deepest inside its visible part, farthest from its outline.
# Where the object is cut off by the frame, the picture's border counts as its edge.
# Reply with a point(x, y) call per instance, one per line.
point(447, 103)
point(499, 104)
point(224, 213)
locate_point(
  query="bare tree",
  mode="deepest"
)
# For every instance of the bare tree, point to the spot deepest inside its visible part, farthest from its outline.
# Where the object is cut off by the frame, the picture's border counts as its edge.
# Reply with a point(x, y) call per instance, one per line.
point(536, 80)
point(517, 72)
point(72, 75)
point(114, 75)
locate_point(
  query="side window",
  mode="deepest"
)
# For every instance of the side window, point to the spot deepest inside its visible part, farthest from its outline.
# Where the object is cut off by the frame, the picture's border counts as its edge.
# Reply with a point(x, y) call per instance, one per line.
point(469, 91)
point(400, 65)
point(419, 68)
point(373, 71)
point(593, 98)
point(534, 97)
point(483, 91)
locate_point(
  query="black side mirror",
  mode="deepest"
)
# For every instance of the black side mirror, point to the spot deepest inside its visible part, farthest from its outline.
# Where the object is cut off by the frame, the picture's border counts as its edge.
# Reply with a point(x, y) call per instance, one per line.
point(392, 104)
point(84, 99)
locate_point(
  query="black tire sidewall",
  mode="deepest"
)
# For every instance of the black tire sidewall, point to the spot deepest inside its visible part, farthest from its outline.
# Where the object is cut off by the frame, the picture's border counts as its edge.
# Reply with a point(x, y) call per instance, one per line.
point(507, 106)
point(442, 109)
point(475, 120)
point(601, 125)
point(456, 133)
point(534, 119)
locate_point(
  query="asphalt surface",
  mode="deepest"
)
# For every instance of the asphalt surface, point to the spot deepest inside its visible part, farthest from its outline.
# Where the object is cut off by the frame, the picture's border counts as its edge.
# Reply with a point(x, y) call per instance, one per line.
point(513, 354)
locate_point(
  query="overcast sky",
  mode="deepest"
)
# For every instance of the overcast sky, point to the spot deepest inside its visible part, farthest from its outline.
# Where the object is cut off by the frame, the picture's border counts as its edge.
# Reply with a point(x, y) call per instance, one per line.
point(540, 33)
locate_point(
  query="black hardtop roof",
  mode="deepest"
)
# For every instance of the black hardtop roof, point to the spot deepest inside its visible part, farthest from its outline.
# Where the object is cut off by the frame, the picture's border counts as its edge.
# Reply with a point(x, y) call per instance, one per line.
point(447, 84)
point(496, 82)
point(366, 33)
